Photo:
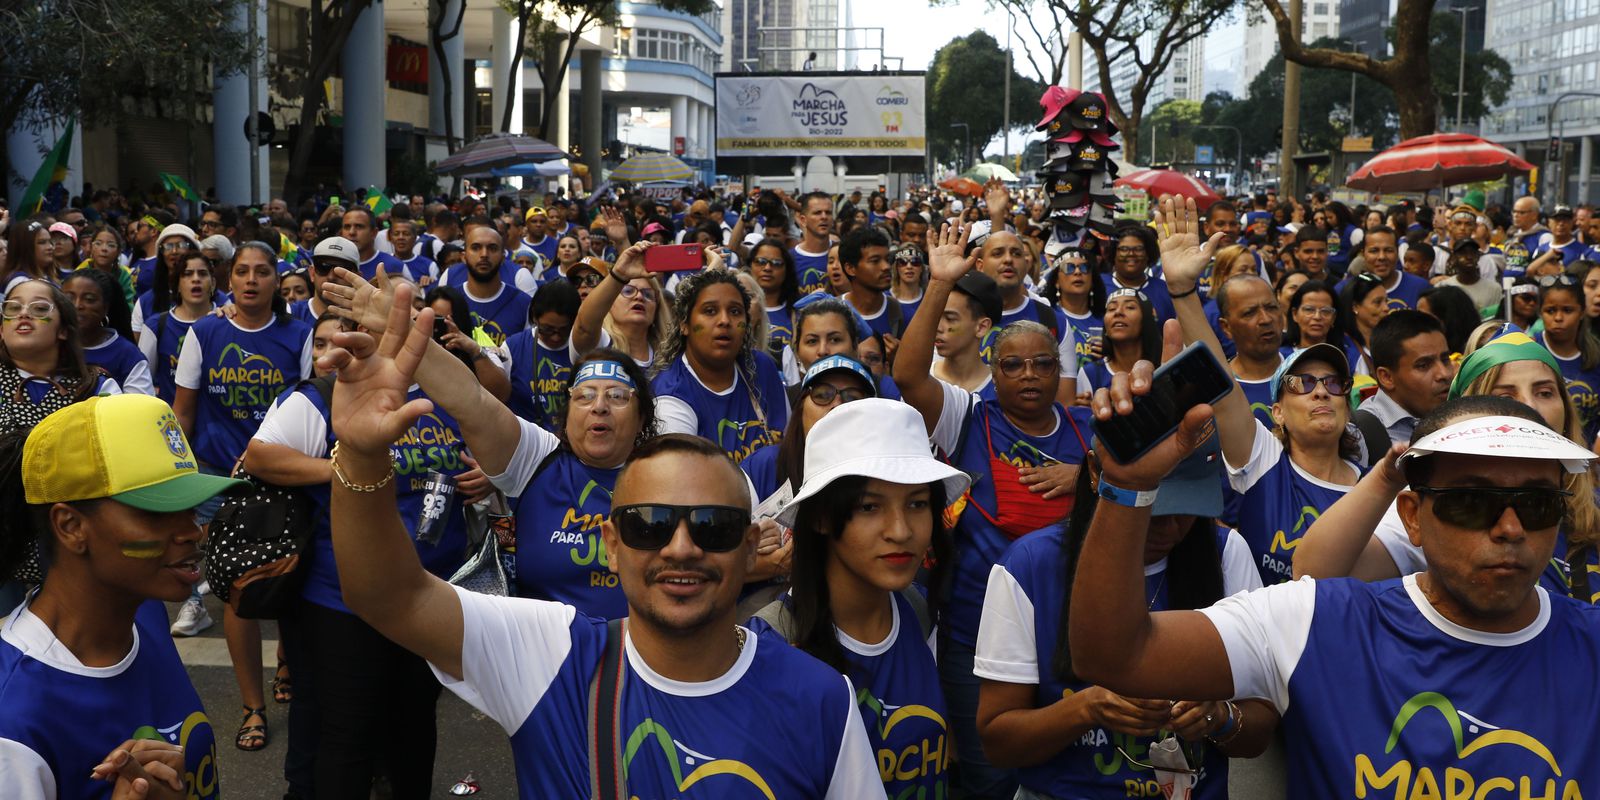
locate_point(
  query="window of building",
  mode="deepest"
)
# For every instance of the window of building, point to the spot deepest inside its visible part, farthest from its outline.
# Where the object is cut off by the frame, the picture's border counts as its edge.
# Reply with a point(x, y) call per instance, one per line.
point(1319, 9)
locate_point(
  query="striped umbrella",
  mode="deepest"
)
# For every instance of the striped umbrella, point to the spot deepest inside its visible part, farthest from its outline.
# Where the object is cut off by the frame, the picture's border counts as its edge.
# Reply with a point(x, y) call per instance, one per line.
point(652, 167)
point(1436, 161)
point(498, 150)
point(1157, 182)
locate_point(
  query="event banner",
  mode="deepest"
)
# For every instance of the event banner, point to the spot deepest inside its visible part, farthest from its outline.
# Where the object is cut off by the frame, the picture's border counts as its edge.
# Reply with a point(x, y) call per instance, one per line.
point(821, 114)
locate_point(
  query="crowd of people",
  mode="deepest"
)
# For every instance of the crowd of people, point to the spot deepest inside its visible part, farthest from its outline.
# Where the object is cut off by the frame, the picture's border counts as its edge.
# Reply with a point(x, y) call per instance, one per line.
point(813, 512)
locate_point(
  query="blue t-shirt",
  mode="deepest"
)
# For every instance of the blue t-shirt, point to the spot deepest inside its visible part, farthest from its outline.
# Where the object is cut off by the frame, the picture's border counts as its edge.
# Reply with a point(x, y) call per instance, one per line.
point(1583, 385)
point(1518, 253)
point(762, 470)
point(1278, 503)
point(118, 357)
point(1094, 765)
point(301, 310)
point(236, 375)
point(419, 265)
point(1214, 319)
point(560, 554)
point(70, 717)
point(884, 323)
point(1154, 288)
point(901, 703)
point(1085, 330)
point(144, 275)
point(539, 378)
point(432, 444)
point(1403, 295)
point(811, 270)
point(908, 309)
point(1570, 252)
point(1384, 697)
point(391, 265)
point(502, 315)
point(545, 247)
point(1340, 249)
point(781, 320)
point(1259, 395)
point(458, 275)
point(1096, 375)
point(961, 433)
point(169, 332)
point(528, 665)
point(729, 418)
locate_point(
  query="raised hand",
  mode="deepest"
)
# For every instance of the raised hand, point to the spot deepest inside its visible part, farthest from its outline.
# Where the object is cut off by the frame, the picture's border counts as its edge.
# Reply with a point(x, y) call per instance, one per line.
point(361, 301)
point(1183, 256)
point(997, 197)
point(947, 252)
point(370, 410)
point(630, 262)
point(1147, 472)
point(616, 226)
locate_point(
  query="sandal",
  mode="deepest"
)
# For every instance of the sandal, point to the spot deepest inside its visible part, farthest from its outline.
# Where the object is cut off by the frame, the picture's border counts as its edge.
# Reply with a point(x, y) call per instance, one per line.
point(252, 737)
point(282, 684)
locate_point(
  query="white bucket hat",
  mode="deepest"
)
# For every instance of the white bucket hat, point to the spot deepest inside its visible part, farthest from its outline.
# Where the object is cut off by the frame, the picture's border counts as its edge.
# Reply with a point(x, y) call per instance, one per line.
point(872, 438)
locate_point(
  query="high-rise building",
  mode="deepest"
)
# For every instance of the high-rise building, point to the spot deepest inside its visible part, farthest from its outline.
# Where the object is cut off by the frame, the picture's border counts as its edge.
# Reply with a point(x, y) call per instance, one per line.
point(785, 50)
point(1184, 78)
point(1318, 19)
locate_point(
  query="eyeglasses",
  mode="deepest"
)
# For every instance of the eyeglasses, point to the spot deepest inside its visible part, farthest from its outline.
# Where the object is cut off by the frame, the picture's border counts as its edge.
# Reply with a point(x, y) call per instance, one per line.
point(872, 359)
point(650, 526)
point(210, 225)
point(1478, 508)
point(1072, 267)
point(1562, 279)
point(1130, 251)
point(173, 247)
point(1317, 311)
point(586, 396)
point(552, 332)
point(1302, 383)
point(1013, 366)
point(824, 394)
point(909, 258)
point(37, 309)
point(590, 280)
point(763, 261)
point(642, 292)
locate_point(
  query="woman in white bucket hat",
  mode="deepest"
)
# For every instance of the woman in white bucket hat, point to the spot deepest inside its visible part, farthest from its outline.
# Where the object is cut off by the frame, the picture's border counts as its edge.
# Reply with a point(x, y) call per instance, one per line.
point(865, 520)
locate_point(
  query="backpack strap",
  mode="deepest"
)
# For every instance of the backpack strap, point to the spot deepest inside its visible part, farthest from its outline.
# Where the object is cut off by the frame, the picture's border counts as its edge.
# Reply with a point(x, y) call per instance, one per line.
point(1047, 317)
point(919, 608)
point(605, 730)
point(1373, 432)
point(324, 387)
point(896, 316)
point(777, 614)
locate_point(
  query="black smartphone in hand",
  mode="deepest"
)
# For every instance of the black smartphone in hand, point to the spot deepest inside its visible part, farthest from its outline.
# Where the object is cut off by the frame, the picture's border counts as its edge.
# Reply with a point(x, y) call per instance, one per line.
point(1193, 377)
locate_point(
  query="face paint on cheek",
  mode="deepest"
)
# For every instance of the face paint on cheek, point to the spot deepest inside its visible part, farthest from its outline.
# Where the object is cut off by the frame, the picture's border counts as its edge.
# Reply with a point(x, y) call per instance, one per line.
point(144, 550)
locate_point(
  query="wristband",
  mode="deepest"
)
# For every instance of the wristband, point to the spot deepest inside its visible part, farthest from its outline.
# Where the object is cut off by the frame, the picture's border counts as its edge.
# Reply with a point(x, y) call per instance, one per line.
point(1125, 497)
point(613, 274)
point(1181, 295)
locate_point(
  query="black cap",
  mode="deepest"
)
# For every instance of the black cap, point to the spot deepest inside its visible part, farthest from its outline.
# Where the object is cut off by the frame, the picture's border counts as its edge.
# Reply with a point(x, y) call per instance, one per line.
point(1562, 211)
point(1466, 244)
point(982, 288)
point(1087, 111)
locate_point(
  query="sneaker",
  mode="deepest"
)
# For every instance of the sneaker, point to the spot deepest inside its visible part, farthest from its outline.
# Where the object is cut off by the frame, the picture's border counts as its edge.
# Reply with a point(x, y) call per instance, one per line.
point(192, 618)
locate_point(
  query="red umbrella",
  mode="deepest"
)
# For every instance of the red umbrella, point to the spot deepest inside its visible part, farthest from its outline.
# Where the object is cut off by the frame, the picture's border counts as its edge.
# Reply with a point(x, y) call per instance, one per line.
point(1432, 162)
point(1157, 182)
point(966, 186)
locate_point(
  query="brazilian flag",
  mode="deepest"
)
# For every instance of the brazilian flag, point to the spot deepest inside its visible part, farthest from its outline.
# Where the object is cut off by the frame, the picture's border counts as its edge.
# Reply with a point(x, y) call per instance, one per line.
point(179, 186)
point(378, 201)
point(52, 170)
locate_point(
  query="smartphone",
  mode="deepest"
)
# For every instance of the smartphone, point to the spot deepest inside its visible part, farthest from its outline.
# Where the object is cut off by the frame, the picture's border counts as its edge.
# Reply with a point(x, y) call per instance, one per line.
point(334, 200)
point(1191, 378)
point(673, 258)
point(440, 328)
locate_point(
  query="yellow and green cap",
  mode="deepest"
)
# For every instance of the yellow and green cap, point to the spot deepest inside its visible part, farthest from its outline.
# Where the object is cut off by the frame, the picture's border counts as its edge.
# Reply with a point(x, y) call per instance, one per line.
point(1512, 345)
point(125, 447)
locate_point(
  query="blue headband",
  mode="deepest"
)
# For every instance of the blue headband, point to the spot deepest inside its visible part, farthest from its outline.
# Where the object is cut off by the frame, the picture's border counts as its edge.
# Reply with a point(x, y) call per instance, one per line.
point(602, 370)
point(1126, 292)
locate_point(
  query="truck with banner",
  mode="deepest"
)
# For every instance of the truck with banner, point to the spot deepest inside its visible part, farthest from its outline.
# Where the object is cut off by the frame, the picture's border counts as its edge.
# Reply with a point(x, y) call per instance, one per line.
point(870, 122)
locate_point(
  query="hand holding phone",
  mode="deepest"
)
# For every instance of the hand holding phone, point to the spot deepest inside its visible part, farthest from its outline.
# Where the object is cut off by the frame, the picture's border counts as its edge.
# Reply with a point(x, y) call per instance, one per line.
point(1191, 378)
point(673, 258)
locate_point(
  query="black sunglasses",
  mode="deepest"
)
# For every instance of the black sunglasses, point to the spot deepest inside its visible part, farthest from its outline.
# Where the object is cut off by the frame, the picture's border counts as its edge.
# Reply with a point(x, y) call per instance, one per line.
point(1303, 383)
point(1562, 279)
point(1479, 508)
point(824, 394)
point(1014, 366)
point(650, 526)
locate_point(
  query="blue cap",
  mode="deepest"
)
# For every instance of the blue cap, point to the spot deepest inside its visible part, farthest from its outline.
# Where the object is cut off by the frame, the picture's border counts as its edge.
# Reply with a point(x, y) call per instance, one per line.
point(836, 363)
point(1322, 351)
point(1194, 486)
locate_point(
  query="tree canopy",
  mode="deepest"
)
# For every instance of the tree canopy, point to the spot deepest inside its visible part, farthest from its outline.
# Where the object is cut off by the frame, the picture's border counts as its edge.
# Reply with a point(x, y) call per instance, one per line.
point(965, 85)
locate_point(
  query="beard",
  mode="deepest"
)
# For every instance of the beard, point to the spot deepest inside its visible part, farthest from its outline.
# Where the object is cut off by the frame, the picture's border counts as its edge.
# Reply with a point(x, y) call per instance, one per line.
point(483, 277)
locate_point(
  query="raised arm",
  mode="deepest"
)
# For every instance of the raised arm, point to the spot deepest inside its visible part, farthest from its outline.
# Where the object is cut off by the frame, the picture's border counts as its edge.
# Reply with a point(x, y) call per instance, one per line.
point(382, 579)
point(1116, 641)
point(1340, 543)
point(913, 363)
point(587, 328)
point(1183, 261)
point(490, 429)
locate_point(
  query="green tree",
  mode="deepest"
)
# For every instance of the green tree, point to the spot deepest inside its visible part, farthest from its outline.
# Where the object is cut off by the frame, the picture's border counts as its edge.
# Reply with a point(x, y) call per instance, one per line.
point(118, 53)
point(329, 22)
point(1488, 76)
point(965, 85)
point(1169, 131)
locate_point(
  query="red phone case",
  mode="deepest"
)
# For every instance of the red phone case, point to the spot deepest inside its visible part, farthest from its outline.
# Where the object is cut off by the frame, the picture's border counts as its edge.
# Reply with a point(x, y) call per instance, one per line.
point(673, 258)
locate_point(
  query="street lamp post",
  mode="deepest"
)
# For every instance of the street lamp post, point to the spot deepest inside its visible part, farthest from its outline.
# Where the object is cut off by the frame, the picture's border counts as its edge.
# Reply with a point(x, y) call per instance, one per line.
point(966, 152)
point(1461, 69)
point(1556, 164)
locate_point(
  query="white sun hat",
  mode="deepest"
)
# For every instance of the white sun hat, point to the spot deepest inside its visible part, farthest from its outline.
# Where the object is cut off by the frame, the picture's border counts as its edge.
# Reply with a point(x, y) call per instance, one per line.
point(872, 438)
point(1502, 437)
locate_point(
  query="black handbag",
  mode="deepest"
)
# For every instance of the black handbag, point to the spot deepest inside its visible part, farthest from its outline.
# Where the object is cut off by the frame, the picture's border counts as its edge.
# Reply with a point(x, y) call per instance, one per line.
point(257, 541)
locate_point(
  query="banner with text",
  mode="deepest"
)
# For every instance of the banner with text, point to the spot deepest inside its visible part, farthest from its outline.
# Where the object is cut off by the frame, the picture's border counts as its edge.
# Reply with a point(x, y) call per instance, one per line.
point(868, 114)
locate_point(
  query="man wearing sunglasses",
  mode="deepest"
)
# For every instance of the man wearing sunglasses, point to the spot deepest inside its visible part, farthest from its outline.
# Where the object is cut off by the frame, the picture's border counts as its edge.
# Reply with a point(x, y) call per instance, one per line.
point(1421, 681)
point(680, 550)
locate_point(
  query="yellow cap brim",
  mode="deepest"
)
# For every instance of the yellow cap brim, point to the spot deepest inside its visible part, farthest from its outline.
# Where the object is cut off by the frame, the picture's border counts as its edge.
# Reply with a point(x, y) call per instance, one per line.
point(181, 493)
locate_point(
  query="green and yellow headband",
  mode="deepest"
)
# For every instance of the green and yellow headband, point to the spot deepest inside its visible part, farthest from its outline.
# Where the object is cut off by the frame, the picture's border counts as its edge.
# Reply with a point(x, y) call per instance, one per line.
point(1503, 349)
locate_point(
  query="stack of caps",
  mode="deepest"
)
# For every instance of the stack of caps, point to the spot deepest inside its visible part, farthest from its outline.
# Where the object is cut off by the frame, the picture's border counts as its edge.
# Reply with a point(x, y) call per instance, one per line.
point(1078, 169)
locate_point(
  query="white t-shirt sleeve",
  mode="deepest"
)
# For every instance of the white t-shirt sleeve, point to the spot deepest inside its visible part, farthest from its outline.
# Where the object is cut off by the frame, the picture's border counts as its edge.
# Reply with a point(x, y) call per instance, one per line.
point(1239, 573)
point(189, 360)
point(296, 424)
point(572, 350)
point(24, 774)
point(511, 650)
point(673, 415)
point(526, 282)
point(855, 770)
point(108, 386)
point(958, 403)
point(306, 370)
point(1392, 533)
point(1264, 633)
point(1067, 355)
point(136, 319)
point(138, 381)
point(1007, 649)
point(1264, 453)
point(533, 445)
point(149, 346)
